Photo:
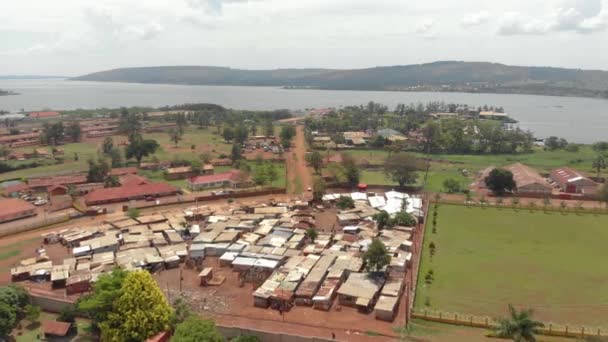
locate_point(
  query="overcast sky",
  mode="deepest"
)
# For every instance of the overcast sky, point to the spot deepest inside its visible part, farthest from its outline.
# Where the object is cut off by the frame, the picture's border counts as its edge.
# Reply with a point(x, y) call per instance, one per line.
point(72, 37)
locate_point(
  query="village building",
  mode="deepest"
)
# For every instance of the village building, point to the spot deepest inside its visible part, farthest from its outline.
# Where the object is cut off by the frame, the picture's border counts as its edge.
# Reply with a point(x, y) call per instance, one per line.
point(122, 171)
point(181, 172)
point(21, 140)
point(572, 181)
point(130, 192)
point(356, 138)
point(361, 290)
point(44, 115)
point(232, 179)
point(528, 181)
point(14, 209)
point(55, 329)
point(42, 184)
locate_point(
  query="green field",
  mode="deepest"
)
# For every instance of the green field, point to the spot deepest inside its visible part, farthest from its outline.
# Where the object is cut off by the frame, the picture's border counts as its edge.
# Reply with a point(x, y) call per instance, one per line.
point(204, 140)
point(487, 258)
point(445, 166)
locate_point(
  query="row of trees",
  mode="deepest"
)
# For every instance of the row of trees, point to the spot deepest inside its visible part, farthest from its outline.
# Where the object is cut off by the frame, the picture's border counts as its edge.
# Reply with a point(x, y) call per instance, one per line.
point(53, 134)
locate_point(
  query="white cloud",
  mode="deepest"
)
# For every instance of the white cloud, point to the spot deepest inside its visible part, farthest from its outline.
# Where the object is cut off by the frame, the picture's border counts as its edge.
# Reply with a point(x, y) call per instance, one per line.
point(427, 28)
point(475, 19)
point(580, 16)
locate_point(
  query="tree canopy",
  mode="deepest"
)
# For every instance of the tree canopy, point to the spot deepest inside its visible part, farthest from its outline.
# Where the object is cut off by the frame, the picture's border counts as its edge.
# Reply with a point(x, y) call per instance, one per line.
point(195, 329)
point(139, 312)
point(139, 147)
point(98, 304)
point(500, 181)
point(376, 256)
point(402, 168)
point(519, 326)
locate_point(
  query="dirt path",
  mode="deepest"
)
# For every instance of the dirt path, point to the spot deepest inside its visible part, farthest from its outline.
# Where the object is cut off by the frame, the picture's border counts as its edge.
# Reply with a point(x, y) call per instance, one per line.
point(299, 175)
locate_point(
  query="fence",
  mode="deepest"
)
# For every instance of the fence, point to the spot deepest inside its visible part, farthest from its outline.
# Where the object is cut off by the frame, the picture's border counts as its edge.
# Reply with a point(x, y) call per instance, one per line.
point(4, 231)
point(536, 207)
point(550, 329)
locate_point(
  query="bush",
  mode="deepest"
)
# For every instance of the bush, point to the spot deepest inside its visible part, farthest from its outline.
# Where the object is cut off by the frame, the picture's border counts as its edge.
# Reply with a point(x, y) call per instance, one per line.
point(451, 185)
point(345, 202)
point(133, 213)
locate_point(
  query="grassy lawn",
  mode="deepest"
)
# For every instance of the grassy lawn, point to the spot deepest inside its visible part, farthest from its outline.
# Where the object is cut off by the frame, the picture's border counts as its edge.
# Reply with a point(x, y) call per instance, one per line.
point(15, 249)
point(434, 182)
point(30, 332)
point(487, 258)
point(205, 140)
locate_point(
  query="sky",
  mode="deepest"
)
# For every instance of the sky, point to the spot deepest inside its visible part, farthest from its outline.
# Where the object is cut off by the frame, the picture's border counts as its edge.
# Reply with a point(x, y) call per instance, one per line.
point(74, 37)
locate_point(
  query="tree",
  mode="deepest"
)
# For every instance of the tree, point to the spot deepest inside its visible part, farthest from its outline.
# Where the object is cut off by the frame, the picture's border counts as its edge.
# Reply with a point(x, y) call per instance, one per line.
point(600, 146)
point(236, 153)
point(553, 143)
point(129, 122)
point(599, 163)
point(74, 131)
point(133, 213)
point(67, 314)
point(345, 202)
point(98, 170)
point(376, 256)
point(195, 329)
point(402, 218)
point(287, 134)
point(8, 319)
point(259, 175)
point(318, 189)
point(312, 234)
point(315, 160)
point(107, 288)
point(108, 145)
point(240, 134)
point(139, 147)
point(52, 134)
point(205, 157)
point(451, 185)
point(351, 170)
point(268, 128)
point(111, 181)
point(175, 136)
point(116, 157)
point(519, 326)
point(139, 312)
point(228, 134)
point(500, 181)
point(382, 219)
point(271, 173)
point(254, 129)
point(402, 168)
point(378, 142)
point(32, 312)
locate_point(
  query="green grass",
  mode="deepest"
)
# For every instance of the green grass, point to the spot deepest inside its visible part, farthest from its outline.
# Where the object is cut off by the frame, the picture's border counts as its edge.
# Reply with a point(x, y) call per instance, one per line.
point(487, 258)
point(434, 181)
point(204, 139)
point(15, 249)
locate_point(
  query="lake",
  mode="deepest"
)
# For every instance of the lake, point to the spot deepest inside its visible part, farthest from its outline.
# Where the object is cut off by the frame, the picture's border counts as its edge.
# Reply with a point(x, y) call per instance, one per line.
point(576, 119)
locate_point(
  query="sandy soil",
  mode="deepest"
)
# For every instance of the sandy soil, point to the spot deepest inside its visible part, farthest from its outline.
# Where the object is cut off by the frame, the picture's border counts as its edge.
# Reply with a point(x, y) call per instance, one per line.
point(299, 175)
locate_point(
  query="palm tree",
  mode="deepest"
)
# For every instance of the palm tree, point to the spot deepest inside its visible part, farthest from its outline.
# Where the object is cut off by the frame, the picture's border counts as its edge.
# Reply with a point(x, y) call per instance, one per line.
point(519, 326)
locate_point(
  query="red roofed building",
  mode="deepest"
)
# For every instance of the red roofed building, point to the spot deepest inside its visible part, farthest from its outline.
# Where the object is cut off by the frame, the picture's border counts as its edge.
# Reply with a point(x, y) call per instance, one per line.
point(130, 192)
point(44, 115)
point(15, 190)
point(571, 181)
point(231, 179)
point(42, 183)
point(132, 179)
point(14, 209)
point(53, 329)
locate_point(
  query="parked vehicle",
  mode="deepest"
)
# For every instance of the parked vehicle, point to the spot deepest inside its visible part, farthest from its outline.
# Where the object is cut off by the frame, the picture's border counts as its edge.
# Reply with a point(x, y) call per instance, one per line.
point(40, 202)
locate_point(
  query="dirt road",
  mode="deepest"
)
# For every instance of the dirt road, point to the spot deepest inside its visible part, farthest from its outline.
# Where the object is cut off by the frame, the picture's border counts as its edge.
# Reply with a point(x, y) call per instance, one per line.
point(299, 175)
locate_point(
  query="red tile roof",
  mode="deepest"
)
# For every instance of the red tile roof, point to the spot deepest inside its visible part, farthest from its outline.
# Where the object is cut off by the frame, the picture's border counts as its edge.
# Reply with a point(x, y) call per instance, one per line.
point(17, 137)
point(57, 180)
point(16, 188)
point(127, 192)
point(43, 114)
point(218, 177)
point(131, 179)
point(12, 206)
point(55, 328)
point(123, 171)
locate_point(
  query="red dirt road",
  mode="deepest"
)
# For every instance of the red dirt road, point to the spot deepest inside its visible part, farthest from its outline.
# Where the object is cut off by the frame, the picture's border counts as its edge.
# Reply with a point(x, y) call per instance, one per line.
point(299, 175)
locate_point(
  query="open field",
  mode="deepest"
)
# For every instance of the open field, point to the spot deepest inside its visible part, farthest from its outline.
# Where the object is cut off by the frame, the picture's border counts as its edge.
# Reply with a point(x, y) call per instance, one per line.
point(204, 140)
point(445, 166)
point(487, 258)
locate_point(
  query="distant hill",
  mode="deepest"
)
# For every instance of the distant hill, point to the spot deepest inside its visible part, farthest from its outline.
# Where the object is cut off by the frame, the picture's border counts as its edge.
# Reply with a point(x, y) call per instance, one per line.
point(438, 76)
point(29, 77)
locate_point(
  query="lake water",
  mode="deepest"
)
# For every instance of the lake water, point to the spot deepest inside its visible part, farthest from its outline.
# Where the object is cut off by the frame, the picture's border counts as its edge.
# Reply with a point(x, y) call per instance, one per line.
point(576, 119)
